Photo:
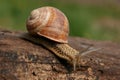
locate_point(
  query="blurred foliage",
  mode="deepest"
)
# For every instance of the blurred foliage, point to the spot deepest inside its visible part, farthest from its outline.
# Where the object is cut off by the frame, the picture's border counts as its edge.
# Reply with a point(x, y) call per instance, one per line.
point(95, 20)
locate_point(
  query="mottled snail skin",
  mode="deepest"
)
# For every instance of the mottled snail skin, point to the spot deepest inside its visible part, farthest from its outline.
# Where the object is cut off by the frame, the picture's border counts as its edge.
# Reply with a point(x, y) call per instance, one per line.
point(50, 23)
point(61, 50)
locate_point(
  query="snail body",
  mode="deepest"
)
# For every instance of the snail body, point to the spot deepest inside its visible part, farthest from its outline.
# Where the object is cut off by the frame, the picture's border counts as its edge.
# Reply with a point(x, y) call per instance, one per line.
point(51, 27)
point(52, 24)
point(62, 50)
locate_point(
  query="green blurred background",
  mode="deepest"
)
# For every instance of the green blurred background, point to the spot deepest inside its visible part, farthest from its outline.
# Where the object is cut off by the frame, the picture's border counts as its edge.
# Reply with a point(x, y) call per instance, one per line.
point(92, 19)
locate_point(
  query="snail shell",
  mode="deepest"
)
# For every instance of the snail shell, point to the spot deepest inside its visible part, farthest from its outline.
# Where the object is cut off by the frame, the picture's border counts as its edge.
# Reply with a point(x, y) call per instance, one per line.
point(49, 22)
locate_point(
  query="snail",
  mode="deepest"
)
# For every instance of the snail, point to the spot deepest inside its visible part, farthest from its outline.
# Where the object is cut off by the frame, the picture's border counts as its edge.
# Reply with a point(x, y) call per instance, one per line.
point(49, 27)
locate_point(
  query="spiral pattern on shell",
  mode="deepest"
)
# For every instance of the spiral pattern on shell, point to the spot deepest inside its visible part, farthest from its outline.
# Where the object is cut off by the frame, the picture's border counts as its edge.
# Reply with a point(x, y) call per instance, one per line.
point(49, 22)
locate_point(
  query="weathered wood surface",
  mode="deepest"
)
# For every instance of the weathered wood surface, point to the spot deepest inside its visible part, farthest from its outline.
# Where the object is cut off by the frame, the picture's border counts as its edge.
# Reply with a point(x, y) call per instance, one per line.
point(24, 60)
